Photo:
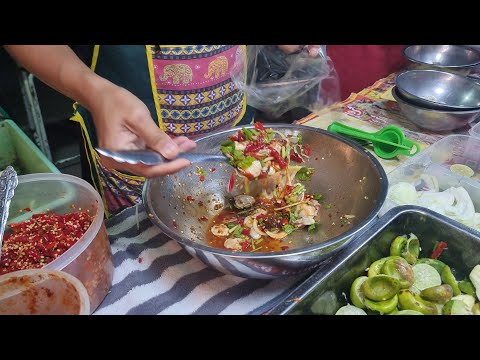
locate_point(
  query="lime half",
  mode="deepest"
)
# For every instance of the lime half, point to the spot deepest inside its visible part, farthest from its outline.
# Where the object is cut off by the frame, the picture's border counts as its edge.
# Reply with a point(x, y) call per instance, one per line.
point(463, 170)
point(356, 294)
point(350, 310)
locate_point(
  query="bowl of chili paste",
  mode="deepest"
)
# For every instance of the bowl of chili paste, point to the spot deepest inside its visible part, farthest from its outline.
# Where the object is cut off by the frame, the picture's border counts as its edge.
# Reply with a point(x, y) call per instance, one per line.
point(56, 222)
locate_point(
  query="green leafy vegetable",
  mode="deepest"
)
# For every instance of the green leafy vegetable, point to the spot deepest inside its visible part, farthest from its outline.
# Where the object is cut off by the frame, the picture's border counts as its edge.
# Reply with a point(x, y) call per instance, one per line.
point(313, 228)
point(318, 197)
point(293, 218)
point(288, 228)
point(304, 174)
point(247, 133)
point(300, 139)
point(237, 232)
point(228, 147)
point(231, 225)
point(246, 162)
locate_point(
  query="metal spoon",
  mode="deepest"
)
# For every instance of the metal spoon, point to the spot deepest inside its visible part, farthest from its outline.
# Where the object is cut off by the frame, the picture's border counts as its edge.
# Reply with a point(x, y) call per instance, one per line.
point(149, 157)
point(8, 183)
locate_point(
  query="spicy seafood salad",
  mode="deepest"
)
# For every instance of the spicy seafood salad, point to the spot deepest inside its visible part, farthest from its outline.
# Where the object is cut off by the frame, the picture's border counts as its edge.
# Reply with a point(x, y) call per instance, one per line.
point(263, 221)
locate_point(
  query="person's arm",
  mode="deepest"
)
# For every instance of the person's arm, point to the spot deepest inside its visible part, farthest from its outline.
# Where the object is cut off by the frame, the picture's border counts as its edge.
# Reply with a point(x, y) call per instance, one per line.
point(123, 121)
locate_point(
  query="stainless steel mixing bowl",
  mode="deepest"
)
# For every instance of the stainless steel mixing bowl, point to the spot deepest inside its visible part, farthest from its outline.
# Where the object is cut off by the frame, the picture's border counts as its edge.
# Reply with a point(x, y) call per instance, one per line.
point(349, 178)
point(451, 58)
point(439, 90)
point(434, 120)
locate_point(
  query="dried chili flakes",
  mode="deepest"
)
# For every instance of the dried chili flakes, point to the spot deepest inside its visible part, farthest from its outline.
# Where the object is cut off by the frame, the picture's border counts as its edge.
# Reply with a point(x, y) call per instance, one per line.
point(36, 242)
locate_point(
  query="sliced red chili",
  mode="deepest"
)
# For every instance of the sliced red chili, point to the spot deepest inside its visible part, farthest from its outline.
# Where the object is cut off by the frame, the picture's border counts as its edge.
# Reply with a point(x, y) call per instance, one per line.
point(202, 178)
point(245, 245)
point(288, 189)
point(239, 221)
point(233, 138)
point(295, 157)
point(231, 182)
point(261, 216)
point(246, 232)
point(441, 246)
point(282, 163)
point(255, 146)
point(259, 126)
point(307, 150)
point(240, 135)
point(284, 221)
point(284, 247)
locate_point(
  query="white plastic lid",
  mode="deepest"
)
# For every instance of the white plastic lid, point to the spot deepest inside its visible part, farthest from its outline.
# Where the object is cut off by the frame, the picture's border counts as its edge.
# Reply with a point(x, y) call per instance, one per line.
point(42, 292)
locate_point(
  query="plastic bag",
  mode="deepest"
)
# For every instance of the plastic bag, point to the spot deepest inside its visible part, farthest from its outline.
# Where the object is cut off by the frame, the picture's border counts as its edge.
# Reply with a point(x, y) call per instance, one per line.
point(276, 83)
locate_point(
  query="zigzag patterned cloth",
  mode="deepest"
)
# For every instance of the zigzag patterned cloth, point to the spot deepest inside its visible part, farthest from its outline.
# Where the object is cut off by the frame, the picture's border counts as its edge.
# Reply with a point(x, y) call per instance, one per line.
point(155, 275)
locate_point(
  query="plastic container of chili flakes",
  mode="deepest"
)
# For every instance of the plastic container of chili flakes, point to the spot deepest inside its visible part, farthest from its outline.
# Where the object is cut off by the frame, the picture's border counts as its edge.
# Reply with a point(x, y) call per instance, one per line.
point(89, 259)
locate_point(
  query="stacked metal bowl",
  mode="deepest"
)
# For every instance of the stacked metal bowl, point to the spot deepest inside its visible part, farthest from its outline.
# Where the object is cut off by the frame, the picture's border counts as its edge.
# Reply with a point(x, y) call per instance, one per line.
point(440, 97)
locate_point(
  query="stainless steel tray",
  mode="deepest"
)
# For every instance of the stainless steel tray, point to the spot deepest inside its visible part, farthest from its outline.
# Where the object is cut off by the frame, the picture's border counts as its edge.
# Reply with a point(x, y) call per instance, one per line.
point(327, 289)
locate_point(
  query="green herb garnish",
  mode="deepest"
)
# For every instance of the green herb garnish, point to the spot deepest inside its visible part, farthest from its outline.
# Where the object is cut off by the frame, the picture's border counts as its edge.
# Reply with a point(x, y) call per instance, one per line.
point(300, 139)
point(318, 197)
point(231, 225)
point(328, 206)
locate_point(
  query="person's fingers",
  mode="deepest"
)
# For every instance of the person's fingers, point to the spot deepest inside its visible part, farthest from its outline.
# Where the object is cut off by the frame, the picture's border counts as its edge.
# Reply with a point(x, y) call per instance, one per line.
point(185, 144)
point(146, 170)
point(154, 138)
point(314, 50)
point(290, 49)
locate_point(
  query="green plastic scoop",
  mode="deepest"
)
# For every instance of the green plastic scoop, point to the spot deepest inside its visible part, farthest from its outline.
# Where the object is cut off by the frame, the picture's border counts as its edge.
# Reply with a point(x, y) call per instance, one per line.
point(387, 142)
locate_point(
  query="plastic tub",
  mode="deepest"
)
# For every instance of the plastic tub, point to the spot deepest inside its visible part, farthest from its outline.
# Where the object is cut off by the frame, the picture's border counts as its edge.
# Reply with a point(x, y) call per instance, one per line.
point(17, 150)
point(42, 292)
point(90, 258)
point(475, 130)
point(436, 160)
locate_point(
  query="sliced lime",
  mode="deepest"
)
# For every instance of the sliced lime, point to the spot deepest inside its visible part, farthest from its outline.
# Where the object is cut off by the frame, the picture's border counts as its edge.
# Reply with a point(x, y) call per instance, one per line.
point(456, 307)
point(350, 310)
point(425, 277)
point(406, 312)
point(357, 297)
point(463, 170)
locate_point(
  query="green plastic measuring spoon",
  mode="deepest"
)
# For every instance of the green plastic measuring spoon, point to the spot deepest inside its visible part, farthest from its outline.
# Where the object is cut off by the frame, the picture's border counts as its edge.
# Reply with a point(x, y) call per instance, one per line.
point(387, 142)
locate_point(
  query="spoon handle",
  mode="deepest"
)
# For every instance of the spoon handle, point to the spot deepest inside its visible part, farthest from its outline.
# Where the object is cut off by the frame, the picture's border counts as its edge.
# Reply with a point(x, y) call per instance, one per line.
point(148, 157)
point(8, 183)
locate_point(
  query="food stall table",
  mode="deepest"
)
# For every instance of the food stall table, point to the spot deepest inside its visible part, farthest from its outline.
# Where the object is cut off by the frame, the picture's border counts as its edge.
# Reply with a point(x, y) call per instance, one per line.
point(155, 275)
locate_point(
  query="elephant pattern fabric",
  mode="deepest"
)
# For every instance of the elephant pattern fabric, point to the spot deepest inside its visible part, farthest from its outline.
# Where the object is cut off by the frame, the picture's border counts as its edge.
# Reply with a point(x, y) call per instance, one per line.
point(195, 89)
point(177, 72)
point(217, 68)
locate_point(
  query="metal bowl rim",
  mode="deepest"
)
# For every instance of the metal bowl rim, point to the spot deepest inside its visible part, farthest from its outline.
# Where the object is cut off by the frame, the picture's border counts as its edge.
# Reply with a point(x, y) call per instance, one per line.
point(455, 108)
point(402, 99)
point(247, 255)
point(444, 66)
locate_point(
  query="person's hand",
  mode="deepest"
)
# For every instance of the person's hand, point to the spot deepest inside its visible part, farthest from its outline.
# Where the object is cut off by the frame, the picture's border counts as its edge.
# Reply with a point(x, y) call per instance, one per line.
point(123, 122)
point(313, 50)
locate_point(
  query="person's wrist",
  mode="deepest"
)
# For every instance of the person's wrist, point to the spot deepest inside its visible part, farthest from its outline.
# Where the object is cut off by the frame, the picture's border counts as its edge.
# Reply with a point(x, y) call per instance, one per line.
point(93, 90)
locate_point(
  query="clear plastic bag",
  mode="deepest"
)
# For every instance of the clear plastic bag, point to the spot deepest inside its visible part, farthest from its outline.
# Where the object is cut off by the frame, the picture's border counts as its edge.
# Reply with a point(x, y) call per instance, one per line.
point(276, 83)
